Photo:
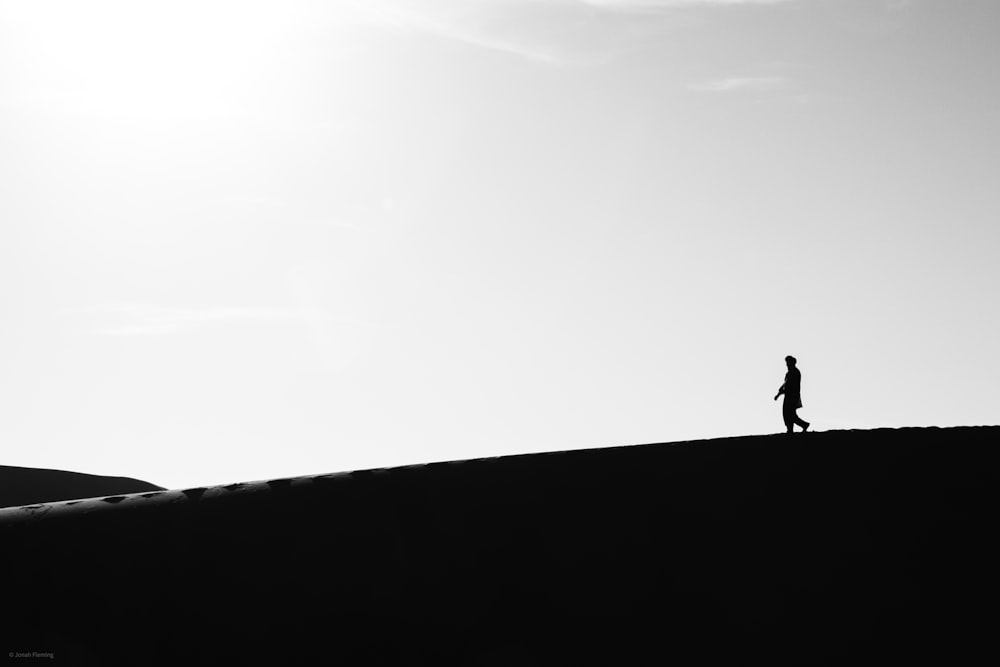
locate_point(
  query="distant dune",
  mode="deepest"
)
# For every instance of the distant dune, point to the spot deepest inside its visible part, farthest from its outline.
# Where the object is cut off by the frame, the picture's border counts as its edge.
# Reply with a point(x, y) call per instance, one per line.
point(27, 486)
point(854, 547)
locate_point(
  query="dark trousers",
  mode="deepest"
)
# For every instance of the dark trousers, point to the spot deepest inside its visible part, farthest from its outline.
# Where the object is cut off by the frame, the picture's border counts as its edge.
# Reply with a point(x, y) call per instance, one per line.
point(788, 409)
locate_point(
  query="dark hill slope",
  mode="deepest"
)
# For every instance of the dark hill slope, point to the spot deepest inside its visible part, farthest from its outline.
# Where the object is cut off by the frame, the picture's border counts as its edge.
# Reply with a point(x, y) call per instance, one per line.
point(860, 546)
point(23, 486)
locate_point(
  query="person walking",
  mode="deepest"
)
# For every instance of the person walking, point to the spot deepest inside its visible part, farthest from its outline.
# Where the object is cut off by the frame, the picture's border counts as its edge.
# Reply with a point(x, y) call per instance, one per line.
point(792, 389)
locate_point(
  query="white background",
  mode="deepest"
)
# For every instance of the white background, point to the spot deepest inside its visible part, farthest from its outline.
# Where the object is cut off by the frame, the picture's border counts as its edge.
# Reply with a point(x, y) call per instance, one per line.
point(244, 240)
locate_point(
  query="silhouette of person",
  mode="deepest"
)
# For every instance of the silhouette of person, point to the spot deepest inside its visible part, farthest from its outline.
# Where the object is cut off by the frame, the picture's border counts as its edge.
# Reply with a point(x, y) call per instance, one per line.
point(792, 389)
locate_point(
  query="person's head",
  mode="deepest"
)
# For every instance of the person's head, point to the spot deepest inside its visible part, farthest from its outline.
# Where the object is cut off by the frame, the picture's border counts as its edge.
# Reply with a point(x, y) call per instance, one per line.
point(790, 361)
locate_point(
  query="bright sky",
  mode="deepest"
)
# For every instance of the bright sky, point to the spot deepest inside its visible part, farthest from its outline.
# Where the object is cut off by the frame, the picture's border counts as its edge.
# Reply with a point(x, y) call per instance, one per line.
point(243, 240)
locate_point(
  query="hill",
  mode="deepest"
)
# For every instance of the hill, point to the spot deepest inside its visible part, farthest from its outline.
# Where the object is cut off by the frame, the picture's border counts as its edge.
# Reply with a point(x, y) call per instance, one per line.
point(867, 546)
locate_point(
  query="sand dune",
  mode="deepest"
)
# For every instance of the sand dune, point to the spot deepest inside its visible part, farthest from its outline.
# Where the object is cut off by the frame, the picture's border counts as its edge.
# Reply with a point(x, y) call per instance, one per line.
point(852, 545)
point(25, 486)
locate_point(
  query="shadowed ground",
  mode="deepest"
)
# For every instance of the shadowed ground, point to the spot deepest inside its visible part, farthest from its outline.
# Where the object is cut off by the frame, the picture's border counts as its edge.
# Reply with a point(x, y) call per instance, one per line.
point(851, 545)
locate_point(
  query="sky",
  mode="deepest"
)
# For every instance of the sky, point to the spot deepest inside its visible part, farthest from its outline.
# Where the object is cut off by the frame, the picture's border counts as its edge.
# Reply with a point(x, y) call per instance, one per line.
point(244, 240)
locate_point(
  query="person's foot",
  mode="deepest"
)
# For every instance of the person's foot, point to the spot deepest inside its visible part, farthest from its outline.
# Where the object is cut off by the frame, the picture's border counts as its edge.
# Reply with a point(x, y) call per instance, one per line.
point(805, 427)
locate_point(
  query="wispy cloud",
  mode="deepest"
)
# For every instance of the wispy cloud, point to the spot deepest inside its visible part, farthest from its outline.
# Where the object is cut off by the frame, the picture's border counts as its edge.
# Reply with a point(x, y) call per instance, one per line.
point(336, 341)
point(473, 23)
point(740, 84)
point(138, 319)
point(552, 32)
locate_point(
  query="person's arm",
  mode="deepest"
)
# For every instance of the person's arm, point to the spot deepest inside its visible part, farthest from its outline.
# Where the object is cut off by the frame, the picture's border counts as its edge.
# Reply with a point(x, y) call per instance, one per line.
point(781, 390)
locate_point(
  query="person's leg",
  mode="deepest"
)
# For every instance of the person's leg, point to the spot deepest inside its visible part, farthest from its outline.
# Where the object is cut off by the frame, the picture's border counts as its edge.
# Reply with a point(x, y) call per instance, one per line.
point(788, 414)
point(803, 424)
